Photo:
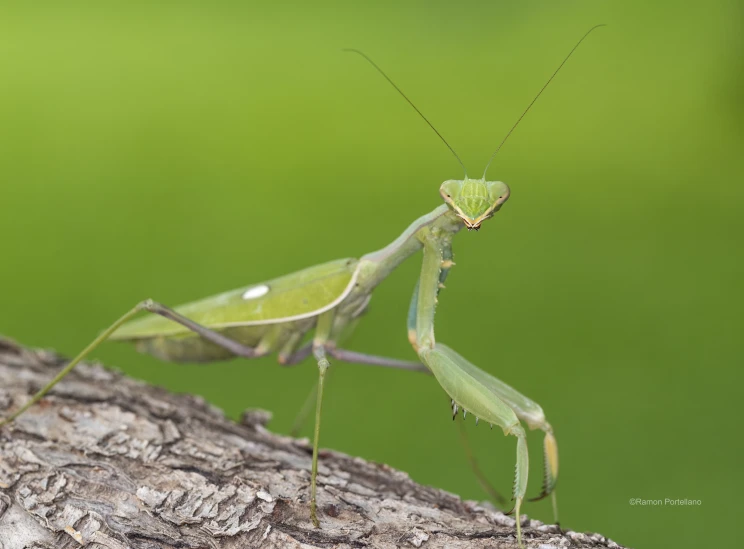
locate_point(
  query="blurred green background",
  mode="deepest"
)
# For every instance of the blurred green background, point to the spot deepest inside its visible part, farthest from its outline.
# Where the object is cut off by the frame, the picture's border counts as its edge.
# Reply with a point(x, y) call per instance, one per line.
point(180, 149)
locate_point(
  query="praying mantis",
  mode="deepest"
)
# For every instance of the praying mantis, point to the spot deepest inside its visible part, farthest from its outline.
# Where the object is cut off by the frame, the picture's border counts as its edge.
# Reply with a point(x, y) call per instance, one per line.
point(277, 317)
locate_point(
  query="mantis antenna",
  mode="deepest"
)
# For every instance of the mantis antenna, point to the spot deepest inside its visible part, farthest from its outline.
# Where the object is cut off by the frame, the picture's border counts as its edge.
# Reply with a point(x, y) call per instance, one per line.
point(410, 103)
point(538, 95)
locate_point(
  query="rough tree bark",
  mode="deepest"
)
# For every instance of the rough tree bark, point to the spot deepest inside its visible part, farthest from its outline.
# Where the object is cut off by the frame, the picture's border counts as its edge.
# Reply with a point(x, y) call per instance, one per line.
point(109, 462)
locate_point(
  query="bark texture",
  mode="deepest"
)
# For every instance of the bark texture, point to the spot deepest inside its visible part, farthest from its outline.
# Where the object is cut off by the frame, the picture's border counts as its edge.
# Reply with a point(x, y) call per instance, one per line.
point(109, 462)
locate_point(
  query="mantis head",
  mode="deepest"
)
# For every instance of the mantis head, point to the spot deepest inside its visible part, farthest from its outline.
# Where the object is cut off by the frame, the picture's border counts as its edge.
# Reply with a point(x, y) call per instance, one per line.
point(474, 200)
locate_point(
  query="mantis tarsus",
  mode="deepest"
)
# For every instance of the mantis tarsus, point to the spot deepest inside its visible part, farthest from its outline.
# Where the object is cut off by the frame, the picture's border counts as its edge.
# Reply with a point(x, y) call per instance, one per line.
point(275, 316)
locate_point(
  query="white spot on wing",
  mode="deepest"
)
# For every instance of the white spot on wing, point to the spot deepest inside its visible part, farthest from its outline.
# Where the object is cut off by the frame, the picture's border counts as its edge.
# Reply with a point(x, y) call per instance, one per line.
point(256, 291)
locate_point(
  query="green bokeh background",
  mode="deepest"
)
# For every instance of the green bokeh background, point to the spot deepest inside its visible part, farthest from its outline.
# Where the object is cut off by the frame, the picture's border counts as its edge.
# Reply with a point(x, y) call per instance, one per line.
point(180, 149)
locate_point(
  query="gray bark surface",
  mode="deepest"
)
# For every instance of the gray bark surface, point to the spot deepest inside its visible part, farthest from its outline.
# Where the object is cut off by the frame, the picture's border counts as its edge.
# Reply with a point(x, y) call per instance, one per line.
point(105, 461)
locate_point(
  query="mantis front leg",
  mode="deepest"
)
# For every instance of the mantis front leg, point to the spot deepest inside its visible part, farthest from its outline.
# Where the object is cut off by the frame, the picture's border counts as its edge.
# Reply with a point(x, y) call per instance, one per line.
point(469, 387)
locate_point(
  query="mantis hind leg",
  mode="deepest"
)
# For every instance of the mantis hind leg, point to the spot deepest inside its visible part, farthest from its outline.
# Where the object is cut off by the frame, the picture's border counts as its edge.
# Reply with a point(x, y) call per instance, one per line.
point(147, 305)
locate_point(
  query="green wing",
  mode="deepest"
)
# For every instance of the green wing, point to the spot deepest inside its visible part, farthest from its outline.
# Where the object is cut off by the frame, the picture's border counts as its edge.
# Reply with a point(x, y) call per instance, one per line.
point(298, 295)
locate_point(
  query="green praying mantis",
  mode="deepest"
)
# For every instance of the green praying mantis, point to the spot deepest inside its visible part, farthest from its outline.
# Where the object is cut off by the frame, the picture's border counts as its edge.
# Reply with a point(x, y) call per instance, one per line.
point(327, 299)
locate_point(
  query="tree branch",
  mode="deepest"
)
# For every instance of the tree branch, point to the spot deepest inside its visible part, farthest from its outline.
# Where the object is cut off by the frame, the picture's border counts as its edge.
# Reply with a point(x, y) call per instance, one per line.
point(108, 462)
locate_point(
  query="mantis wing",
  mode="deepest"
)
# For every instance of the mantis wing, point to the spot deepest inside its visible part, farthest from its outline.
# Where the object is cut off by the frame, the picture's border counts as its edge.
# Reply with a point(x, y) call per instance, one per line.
point(291, 297)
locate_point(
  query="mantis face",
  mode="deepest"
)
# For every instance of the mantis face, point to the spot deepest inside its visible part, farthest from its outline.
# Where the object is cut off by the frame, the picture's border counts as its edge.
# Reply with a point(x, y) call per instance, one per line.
point(474, 200)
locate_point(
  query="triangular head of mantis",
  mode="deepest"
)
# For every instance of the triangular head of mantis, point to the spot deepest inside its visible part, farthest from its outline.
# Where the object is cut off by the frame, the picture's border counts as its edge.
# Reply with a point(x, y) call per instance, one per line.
point(474, 200)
